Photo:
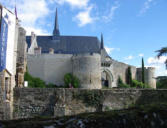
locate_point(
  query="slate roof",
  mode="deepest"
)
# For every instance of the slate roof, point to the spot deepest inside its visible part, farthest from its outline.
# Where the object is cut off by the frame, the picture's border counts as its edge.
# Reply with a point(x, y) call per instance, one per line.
point(67, 44)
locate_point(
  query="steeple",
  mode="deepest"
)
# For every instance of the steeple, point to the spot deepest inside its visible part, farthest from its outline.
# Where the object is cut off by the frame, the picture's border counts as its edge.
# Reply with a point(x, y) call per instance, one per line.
point(56, 31)
point(102, 43)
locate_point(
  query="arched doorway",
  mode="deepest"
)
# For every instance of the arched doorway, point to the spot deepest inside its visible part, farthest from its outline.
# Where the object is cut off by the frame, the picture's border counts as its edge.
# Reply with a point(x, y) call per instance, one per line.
point(106, 79)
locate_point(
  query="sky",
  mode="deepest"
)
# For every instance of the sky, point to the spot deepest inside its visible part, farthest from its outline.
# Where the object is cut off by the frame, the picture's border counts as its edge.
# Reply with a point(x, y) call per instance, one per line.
point(131, 29)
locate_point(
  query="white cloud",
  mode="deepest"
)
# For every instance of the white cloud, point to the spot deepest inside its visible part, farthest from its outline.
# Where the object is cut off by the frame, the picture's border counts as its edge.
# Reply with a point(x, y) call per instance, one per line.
point(31, 10)
point(146, 6)
point(110, 14)
point(85, 15)
point(155, 60)
point(83, 18)
point(37, 31)
point(141, 55)
point(74, 3)
point(130, 57)
point(110, 50)
point(160, 70)
point(158, 64)
point(29, 13)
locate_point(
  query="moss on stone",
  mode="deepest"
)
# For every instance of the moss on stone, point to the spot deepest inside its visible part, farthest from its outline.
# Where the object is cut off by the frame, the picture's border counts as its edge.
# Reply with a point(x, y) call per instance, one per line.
point(90, 98)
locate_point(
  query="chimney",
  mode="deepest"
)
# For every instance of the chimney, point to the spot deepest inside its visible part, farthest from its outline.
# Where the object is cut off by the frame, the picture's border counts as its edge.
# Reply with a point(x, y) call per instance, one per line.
point(51, 51)
point(32, 37)
point(37, 51)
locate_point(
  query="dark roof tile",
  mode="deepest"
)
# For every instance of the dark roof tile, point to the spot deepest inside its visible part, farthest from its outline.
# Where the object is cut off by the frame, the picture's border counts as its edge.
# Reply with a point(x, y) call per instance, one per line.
point(68, 44)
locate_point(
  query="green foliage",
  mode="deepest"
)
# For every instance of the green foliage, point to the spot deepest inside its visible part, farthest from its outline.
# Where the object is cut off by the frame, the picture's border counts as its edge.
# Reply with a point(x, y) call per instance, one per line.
point(71, 80)
point(121, 84)
point(93, 98)
point(161, 52)
point(129, 76)
point(162, 82)
point(138, 84)
point(134, 84)
point(119, 81)
point(34, 82)
point(50, 85)
point(143, 77)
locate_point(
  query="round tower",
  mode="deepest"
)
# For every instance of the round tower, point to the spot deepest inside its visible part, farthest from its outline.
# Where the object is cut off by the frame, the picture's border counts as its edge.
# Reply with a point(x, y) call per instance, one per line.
point(87, 68)
point(150, 77)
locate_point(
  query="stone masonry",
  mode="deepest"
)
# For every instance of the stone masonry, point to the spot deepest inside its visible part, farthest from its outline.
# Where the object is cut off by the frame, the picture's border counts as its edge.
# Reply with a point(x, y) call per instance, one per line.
point(30, 102)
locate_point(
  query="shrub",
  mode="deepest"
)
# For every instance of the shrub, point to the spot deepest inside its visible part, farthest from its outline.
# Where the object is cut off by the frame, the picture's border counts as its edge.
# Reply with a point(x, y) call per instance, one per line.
point(138, 84)
point(135, 84)
point(38, 83)
point(162, 82)
point(51, 85)
point(71, 81)
point(121, 84)
point(34, 82)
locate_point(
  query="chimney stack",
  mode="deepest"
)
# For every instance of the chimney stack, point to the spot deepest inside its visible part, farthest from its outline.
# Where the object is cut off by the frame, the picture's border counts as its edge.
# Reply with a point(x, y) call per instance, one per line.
point(51, 51)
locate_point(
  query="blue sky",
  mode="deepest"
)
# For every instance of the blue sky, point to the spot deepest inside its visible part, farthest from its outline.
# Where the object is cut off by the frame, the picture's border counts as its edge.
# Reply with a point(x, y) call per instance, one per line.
point(131, 28)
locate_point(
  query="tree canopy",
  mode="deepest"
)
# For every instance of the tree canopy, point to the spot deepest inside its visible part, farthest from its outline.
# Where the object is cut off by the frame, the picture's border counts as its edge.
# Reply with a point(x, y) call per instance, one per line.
point(162, 52)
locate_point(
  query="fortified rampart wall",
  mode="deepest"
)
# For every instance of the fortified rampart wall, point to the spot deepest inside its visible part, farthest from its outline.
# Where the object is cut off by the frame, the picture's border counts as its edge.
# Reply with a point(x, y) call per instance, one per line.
point(50, 67)
point(120, 69)
point(87, 67)
point(31, 102)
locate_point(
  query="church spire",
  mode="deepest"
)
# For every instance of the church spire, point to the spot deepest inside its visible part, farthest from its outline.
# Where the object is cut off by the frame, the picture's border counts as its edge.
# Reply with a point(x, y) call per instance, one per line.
point(56, 31)
point(102, 43)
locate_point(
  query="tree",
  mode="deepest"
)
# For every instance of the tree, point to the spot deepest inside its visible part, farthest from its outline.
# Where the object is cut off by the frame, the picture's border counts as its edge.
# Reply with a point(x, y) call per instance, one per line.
point(161, 82)
point(71, 81)
point(129, 76)
point(161, 52)
point(121, 84)
point(143, 77)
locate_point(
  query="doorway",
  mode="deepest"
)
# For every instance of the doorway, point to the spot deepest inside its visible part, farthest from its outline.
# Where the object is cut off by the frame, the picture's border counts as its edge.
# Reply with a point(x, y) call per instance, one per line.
point(106, 79)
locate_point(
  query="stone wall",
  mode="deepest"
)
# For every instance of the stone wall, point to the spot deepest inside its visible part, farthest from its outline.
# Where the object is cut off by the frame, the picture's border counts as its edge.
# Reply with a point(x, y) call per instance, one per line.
point(87, 68)
point(150, 78)
point(1, 96)
point(21, 57)
point(119, 69)
point(7, 83)
point(30, 102)
point(50, 67)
